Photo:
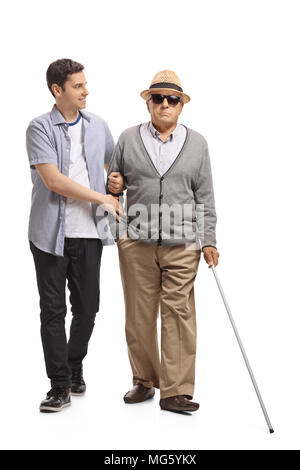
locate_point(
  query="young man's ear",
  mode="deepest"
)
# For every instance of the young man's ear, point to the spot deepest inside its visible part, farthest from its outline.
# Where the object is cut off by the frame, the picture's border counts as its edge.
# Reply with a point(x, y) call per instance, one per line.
point(56, 89)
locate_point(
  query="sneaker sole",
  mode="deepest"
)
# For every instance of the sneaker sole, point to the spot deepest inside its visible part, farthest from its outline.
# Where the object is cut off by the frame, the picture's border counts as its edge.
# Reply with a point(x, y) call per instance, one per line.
point(55, 410)
point(77, 394)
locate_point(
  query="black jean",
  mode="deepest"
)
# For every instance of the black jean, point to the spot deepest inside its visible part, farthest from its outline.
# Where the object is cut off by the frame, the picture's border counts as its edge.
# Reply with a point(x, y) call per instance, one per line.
point(80, 266)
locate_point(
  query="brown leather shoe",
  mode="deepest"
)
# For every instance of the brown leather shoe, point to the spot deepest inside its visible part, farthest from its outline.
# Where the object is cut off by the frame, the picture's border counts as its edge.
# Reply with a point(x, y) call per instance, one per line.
point(139, 393)
point(178, 403)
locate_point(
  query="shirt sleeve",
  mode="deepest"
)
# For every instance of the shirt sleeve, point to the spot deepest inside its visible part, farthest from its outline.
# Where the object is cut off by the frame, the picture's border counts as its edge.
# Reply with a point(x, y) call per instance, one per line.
point(205, 203)
point(109, 145)
point(38, 145)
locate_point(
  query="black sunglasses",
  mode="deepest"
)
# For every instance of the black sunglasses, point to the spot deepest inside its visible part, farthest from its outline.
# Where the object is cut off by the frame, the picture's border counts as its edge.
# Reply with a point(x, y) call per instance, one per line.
point(173, 100)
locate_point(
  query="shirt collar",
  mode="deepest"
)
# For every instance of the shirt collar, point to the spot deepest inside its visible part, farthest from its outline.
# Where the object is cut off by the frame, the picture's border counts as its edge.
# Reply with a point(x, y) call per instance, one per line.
point(155, 132)
point(57, 117)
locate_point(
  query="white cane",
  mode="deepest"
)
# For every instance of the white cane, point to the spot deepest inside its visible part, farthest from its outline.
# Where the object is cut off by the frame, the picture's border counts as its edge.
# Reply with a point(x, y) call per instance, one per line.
point(243, 352)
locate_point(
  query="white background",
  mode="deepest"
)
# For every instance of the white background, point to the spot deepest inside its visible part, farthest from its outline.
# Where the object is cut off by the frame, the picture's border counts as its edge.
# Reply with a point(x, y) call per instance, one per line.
point(239, 62)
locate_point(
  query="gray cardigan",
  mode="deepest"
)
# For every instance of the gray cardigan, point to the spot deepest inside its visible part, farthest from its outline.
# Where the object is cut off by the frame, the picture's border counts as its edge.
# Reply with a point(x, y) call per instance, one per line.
point(175, 208)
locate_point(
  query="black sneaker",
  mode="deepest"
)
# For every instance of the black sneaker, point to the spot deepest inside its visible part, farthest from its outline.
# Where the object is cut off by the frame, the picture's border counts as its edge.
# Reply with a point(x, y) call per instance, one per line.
point(57, 399)
point(78, 386)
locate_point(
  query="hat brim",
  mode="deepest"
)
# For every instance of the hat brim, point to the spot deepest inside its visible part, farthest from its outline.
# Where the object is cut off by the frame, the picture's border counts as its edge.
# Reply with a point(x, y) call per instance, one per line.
point(171, 91)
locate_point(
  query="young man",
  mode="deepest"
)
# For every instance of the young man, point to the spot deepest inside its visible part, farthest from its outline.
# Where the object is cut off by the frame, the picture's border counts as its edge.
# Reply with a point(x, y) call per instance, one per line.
point(68, 149)
point(170, 215)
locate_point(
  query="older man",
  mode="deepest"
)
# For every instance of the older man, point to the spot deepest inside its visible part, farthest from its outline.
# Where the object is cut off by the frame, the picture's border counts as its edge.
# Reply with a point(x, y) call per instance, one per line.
point(170, 217)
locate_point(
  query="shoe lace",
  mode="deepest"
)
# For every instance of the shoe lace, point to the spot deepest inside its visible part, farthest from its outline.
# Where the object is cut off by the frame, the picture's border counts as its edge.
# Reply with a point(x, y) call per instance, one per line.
point(56, 391)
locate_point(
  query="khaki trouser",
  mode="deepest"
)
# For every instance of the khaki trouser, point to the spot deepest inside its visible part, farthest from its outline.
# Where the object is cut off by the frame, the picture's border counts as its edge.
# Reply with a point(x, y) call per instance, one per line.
point(152, 277)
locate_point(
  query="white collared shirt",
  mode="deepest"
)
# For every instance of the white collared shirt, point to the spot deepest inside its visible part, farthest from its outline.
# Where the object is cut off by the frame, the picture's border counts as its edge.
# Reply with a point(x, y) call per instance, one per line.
point(162, 153)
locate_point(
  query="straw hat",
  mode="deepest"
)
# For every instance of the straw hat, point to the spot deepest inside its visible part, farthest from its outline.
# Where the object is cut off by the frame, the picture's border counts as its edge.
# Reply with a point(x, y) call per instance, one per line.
point(163, 81)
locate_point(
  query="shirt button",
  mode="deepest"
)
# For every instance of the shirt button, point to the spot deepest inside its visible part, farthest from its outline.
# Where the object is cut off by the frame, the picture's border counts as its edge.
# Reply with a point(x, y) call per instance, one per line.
point(68, 150)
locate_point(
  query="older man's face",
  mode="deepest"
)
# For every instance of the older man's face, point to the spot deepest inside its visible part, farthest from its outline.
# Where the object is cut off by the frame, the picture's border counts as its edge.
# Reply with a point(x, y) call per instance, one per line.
point(164, 115)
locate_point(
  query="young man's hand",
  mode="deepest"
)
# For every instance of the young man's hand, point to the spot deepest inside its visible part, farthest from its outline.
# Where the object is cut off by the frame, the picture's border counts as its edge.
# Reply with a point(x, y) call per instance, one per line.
point(211, 255)
point(111, 205)
point(116, 182)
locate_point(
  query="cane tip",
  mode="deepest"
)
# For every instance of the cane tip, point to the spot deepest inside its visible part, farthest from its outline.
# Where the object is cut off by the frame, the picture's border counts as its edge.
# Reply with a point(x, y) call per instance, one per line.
point(271, 431)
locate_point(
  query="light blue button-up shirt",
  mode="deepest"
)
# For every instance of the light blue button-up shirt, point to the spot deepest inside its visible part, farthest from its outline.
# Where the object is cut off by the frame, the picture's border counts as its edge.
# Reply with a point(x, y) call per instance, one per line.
point(162, 153)
point(47, 141)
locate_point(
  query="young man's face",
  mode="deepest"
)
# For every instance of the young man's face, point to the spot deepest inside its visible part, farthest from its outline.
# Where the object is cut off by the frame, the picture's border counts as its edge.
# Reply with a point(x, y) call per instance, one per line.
point(74, 93)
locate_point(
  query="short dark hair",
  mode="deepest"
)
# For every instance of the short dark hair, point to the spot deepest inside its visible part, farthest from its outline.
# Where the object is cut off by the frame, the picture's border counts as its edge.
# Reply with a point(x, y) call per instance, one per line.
point(59, 70)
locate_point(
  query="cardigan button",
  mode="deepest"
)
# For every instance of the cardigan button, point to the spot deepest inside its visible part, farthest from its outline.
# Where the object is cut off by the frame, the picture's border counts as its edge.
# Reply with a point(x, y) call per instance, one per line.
point(162, 178)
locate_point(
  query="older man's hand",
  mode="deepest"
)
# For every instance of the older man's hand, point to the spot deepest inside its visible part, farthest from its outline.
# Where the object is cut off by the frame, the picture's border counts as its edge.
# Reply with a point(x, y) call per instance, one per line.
point(211, 255)
point(116, 182)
